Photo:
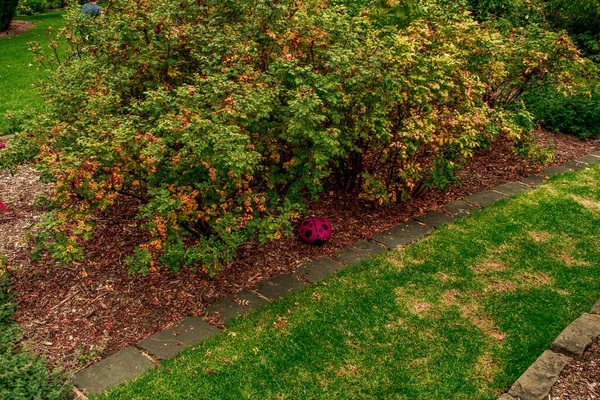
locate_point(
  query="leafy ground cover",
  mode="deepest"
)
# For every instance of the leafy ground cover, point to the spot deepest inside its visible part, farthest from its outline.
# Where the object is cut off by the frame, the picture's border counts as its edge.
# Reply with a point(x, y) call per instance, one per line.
point(22, 376)
point(460, 315)
point(18, 70)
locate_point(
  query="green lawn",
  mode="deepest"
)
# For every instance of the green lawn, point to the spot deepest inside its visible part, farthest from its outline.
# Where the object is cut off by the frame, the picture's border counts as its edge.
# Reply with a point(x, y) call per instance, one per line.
point(460, 315)
point(18, 70)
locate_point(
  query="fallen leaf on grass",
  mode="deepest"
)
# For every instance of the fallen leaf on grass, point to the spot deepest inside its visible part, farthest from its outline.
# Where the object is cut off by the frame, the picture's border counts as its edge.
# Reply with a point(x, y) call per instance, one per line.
point(281, 323)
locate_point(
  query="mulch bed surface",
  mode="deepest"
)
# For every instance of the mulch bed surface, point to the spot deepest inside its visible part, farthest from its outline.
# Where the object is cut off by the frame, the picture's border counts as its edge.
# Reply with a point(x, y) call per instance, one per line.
point(78, 313)
point(16, 27)
point(581, 378)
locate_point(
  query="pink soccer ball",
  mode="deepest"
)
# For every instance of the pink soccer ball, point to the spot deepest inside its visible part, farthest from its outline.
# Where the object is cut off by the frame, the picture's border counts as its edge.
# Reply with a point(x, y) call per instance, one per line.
point(314, 230)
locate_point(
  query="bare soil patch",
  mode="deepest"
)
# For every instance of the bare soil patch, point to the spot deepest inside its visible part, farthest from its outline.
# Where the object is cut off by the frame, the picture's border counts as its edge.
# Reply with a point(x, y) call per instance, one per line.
point(78, 313)
point(16, 27)
point(422, 308)
point(501, 285)
point(539, 237)
point(593, 205)
point(486, 367)
point(488, 267)
point(449, 297)
point(477, 317)
point(531, 280)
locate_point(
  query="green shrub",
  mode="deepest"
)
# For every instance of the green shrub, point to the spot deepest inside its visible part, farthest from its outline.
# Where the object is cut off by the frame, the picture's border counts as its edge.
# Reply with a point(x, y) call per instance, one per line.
point(22, 148)
point(573, 111)
point(56, 4)
point(508, 14)
point(29, 7)
point(7, 12)
point(22, 375)
point(222, 118)
point(576, 114)
point(581, 18)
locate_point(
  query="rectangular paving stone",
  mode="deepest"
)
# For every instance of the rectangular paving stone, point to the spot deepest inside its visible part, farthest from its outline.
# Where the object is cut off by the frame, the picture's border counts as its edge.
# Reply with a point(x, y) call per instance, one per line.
point(460, 208)
point(249, 299)
point(555, 170)
point(112, 371)
point(536, 382)
point(577, 337)
point(486, 198)
point(403, 235)
point(228, 309)
point(358, 252)
point(435, 219)
point(576, 165)
point(279, 286)
point(223, 309)
point(169, 342)
point(535, 180)
point(511, 188)
point(319, 269)
point(589, 159)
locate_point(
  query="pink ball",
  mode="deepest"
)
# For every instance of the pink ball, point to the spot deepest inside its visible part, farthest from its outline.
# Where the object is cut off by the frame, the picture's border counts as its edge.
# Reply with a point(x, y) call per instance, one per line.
point(314, 230)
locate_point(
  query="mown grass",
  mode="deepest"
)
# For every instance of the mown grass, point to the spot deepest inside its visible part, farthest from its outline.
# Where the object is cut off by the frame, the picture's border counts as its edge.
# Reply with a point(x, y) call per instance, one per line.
point(18, 70)
point(460, 315)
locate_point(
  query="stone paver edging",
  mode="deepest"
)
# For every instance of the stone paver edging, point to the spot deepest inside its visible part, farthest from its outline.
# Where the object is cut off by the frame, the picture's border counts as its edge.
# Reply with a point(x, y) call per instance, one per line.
point(170, 342)
point(124, 365)
point(147, 353)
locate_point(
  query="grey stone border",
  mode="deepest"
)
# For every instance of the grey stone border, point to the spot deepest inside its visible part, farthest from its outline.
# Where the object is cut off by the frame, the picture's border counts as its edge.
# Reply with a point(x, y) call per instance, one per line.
point(121, 366)
point(130, 362)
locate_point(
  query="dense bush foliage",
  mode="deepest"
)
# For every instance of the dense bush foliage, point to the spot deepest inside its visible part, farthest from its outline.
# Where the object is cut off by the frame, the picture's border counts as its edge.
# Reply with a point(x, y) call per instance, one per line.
point(222, 117)
point(576, 111)
point(581, 18)
point(29, 7)
point(508, 13)
point(576, 114)
point(7, 12)
point(22, 376)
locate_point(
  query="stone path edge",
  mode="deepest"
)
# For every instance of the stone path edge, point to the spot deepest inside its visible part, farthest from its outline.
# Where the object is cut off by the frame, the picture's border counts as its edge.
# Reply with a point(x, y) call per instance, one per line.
point(228, 309)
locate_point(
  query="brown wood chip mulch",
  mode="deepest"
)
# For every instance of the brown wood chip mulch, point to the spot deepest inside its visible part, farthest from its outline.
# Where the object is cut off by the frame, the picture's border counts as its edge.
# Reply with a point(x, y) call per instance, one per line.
point(16, 27)
point(581, 378)
point(78, 313)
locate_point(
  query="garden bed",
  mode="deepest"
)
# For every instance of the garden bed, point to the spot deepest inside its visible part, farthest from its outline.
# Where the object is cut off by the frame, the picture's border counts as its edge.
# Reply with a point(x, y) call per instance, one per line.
point(77, 313)
point(16, 27)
